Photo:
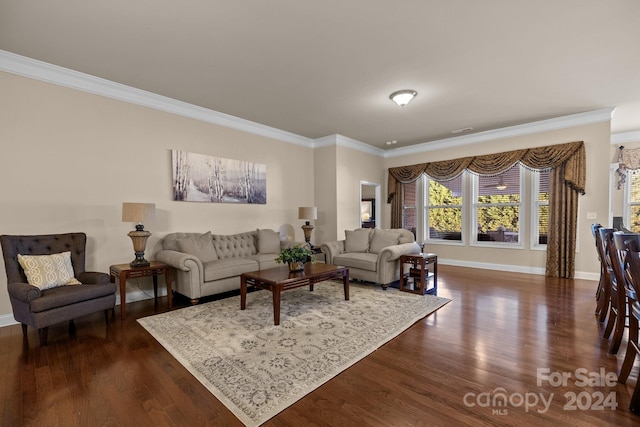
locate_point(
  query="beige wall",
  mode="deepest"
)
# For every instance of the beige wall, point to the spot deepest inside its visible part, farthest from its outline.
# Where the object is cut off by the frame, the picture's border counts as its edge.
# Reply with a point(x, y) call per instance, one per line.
point(352, 167)
point(69, 159)
point(596, 199)
point(325, 194)
point(339, 171)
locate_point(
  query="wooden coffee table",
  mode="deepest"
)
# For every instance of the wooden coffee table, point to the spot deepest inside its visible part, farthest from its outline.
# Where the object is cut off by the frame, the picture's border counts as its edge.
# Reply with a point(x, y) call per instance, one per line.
point(280, 279)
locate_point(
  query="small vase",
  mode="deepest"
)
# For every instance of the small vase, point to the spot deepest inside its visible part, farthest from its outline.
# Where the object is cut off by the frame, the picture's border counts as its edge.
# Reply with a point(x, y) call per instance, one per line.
point(296, 266)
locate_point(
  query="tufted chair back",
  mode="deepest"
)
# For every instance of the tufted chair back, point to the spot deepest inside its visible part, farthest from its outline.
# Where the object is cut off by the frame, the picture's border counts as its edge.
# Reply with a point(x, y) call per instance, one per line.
point(41, 245)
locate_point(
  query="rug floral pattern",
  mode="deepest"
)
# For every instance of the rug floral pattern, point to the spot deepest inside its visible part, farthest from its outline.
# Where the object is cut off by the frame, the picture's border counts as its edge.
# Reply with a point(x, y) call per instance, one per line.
point(257, 369)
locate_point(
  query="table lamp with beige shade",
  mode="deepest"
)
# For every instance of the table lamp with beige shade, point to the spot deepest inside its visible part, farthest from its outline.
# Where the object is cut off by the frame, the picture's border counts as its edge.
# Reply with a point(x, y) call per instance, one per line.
point(139, 213)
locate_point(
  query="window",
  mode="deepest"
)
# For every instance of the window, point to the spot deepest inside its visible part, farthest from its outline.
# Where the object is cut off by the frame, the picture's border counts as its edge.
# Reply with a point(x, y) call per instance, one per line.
point(632, 201)
point(443, 210)
point(483, 210)
point(540, 207)
point(497, 207)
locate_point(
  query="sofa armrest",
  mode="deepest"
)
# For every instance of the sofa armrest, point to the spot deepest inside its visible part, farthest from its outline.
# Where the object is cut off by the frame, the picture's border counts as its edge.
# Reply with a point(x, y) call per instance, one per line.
point(93, 278)
point(180, 260)
point(392, 253)
point(389, 261)
point(23, 291)
point(331, 249)
point(189, 277)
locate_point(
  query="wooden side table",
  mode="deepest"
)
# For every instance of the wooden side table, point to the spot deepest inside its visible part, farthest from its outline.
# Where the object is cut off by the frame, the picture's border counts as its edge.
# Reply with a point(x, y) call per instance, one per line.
point(318, 255)
point(418, 274)
point(125, 271)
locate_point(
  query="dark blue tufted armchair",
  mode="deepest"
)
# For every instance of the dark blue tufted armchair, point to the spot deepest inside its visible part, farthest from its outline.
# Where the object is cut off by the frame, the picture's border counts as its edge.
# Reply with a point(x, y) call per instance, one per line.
point(42, 308)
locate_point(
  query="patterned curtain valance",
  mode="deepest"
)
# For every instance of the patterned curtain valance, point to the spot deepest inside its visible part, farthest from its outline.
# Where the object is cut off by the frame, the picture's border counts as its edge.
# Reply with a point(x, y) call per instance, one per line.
point(571, 155)
point(628, 159)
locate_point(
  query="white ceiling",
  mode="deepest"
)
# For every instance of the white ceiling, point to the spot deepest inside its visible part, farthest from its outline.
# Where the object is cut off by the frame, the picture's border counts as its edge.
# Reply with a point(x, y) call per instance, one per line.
point(317, 68)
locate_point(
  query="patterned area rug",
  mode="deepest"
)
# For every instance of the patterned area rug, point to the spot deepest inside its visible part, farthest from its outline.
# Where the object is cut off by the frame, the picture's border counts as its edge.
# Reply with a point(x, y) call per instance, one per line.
point(257, 369)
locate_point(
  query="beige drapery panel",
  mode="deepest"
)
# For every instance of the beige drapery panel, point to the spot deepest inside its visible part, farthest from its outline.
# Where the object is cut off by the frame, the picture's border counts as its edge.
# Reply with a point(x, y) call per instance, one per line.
point(568, 172)
point(628, 159)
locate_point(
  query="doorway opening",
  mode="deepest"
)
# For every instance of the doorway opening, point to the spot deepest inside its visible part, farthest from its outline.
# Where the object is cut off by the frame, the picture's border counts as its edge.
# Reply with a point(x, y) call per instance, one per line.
point(370, 205)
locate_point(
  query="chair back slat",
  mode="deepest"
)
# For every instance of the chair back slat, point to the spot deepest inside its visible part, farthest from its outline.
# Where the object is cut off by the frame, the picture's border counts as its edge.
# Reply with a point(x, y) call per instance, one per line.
point(627, 246)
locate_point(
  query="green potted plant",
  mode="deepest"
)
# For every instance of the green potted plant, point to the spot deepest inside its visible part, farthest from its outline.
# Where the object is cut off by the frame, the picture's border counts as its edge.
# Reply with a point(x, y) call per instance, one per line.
point(295, 256)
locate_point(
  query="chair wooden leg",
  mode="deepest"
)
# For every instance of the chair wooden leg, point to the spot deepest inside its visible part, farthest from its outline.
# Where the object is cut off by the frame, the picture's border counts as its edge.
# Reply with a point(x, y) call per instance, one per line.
point(632, 350)
point(72, 329)
point(635, 399)
point(600, 302)
point(603, 304)
point(43, 333)
point(618, 332)
point(611, 321)
point(24, 330)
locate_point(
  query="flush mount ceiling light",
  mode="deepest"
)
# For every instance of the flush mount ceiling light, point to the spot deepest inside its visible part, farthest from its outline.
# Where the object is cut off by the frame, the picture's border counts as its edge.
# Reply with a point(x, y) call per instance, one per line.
point(402, 97)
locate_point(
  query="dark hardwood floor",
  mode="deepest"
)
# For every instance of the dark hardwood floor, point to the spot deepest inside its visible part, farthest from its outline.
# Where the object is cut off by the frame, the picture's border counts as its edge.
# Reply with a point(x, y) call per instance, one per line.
point(447, 370)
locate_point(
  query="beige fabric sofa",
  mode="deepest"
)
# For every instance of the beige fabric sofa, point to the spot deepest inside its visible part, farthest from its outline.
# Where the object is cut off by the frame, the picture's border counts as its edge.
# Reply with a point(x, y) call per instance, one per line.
point(371, 254)
point(209, 264)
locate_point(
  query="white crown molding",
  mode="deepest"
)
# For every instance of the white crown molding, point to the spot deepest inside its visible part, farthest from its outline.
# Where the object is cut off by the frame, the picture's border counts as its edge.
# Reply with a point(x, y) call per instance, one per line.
point(325, 141)
point(345, 141)
point(38, 70)
point(622, 137)
point(579, 119)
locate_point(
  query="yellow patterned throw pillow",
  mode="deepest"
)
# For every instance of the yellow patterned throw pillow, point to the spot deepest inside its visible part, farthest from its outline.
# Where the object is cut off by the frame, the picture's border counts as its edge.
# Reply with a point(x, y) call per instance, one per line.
point(48, 271)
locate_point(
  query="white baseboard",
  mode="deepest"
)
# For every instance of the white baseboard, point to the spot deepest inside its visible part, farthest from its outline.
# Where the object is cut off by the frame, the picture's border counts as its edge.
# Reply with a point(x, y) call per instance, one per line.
point(134, 295)
point(7, 320)
point(513, 268)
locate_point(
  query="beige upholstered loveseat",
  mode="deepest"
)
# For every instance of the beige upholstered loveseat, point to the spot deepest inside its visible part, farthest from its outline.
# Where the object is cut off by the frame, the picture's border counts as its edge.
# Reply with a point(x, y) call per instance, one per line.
point(372, 255)
point(209, 264)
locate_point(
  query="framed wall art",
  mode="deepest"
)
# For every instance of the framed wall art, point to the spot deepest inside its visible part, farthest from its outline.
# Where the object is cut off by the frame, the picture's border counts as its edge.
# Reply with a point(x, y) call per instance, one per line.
point(203, 178)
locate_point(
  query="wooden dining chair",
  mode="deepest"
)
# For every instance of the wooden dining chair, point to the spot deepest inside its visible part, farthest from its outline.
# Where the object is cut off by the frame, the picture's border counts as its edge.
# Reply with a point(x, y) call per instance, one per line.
point(628, 248)
point(616, 316)
point(602, 291)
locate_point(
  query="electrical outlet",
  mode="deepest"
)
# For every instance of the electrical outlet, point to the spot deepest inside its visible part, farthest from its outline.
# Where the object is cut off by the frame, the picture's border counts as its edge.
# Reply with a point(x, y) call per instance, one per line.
point(592, 215)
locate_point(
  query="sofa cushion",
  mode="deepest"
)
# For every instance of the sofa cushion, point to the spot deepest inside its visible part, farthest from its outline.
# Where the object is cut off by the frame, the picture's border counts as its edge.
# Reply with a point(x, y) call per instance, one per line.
point(199, 246)
point(48, 271)
point(381, 239)
point(268, 242)
point(265, 260)
point(235, 245)
point(229, 267)
point(357, 240)
point(360, 260)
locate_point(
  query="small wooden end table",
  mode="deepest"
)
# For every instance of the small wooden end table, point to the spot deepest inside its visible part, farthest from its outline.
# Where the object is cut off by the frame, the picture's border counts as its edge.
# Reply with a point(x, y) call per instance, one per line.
point(318, 255)
point(280, 279)
point(125, 271)
point(419, 273)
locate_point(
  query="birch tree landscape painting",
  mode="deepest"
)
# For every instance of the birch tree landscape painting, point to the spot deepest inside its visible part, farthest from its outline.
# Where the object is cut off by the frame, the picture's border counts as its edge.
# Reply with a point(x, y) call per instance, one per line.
point(202, 178)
